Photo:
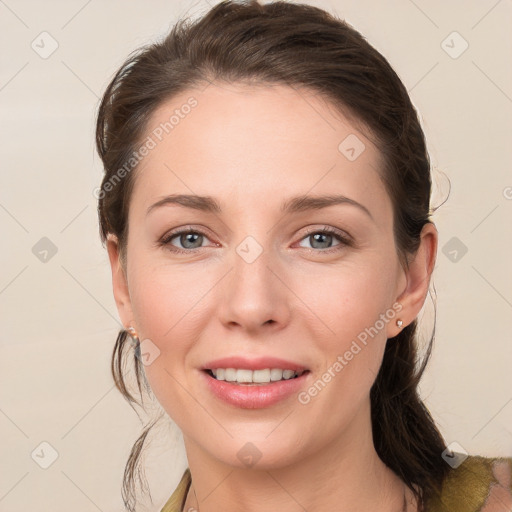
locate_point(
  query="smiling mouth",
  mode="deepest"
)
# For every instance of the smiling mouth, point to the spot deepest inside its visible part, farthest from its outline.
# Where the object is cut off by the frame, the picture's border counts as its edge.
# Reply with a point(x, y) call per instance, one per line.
point(256, 378)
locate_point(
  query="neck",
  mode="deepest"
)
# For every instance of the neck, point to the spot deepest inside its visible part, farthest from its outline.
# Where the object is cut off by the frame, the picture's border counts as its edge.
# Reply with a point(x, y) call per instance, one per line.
point(344, 475)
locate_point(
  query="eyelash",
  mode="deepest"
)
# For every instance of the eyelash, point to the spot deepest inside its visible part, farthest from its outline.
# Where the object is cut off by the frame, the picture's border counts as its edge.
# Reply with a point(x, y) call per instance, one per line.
point(344, 240)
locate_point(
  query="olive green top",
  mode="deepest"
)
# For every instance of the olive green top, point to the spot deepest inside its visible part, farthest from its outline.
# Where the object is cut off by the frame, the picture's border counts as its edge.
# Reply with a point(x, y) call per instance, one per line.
point(467, 488)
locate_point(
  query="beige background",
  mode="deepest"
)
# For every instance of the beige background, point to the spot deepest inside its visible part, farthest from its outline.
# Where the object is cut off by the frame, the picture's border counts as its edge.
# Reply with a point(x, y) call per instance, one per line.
point(58, 318)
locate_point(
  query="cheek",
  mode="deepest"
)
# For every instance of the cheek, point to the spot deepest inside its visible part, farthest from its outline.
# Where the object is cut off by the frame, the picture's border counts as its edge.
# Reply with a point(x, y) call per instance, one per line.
point(166, 300)
point(349, 301)
point(163, 305)
point(353, 308)
point(169, 309)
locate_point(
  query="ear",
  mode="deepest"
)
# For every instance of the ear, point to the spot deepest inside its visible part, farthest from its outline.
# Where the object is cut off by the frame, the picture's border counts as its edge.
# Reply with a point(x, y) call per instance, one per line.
point(120, 283)
point(417, 276)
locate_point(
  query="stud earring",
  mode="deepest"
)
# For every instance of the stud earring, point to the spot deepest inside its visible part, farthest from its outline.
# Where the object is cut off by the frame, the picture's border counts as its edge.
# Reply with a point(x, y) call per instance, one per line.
point(135, 341)
point(133, 335)
point(399, 323)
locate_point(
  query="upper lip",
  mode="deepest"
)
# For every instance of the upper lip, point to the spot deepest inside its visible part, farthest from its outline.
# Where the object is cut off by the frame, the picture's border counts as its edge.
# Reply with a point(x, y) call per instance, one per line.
point(257, 363)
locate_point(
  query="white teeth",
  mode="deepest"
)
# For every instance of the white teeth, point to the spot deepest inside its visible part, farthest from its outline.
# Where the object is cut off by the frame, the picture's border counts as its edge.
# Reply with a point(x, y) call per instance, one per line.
point(288, 374)
point(244, 376)
point(230, 374)
point(261, 375)
point(276, 374)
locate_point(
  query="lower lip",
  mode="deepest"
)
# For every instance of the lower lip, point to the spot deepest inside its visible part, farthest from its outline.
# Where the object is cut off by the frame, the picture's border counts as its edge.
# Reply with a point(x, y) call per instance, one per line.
point(256, 396)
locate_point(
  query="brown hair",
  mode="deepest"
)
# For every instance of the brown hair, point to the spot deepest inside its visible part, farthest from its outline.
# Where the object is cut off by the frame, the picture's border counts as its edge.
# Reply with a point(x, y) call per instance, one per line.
point(300, 46)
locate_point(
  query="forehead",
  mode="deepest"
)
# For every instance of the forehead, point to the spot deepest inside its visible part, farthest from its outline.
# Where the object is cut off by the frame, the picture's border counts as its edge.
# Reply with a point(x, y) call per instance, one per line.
point(249, 141)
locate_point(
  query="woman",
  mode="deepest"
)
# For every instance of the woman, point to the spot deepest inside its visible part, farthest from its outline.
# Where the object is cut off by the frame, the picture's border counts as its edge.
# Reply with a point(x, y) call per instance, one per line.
point(265, 207)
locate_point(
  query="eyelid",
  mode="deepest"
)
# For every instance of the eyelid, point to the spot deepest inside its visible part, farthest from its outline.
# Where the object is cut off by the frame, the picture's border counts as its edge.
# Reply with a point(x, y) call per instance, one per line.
point(332, 231)
point(183, 230)
point(343, 237)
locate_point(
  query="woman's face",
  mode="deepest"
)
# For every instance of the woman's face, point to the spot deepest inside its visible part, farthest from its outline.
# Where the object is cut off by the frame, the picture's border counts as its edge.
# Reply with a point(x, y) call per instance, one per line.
point(257, 278)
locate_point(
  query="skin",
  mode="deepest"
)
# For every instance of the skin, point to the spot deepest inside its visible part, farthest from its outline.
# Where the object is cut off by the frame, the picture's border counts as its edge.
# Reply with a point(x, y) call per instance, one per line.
point(500, 495)
point(251, 147)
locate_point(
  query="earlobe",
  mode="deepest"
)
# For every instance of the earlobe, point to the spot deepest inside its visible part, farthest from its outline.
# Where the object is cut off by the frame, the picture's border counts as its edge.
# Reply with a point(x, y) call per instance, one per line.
point(418, 275)
point(119, 282)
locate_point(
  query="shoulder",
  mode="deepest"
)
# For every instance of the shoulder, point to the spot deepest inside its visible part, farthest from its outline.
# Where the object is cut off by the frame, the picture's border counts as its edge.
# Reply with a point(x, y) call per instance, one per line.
point(479, 484)
point(482, 484)
point(177, 500)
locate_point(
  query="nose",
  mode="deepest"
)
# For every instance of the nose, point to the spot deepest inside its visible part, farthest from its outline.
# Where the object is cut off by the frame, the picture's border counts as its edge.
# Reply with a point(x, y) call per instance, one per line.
point(253, 295)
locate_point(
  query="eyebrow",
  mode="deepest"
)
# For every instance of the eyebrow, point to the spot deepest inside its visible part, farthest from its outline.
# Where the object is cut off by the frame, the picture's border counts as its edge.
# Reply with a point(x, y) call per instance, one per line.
point(292, 205)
